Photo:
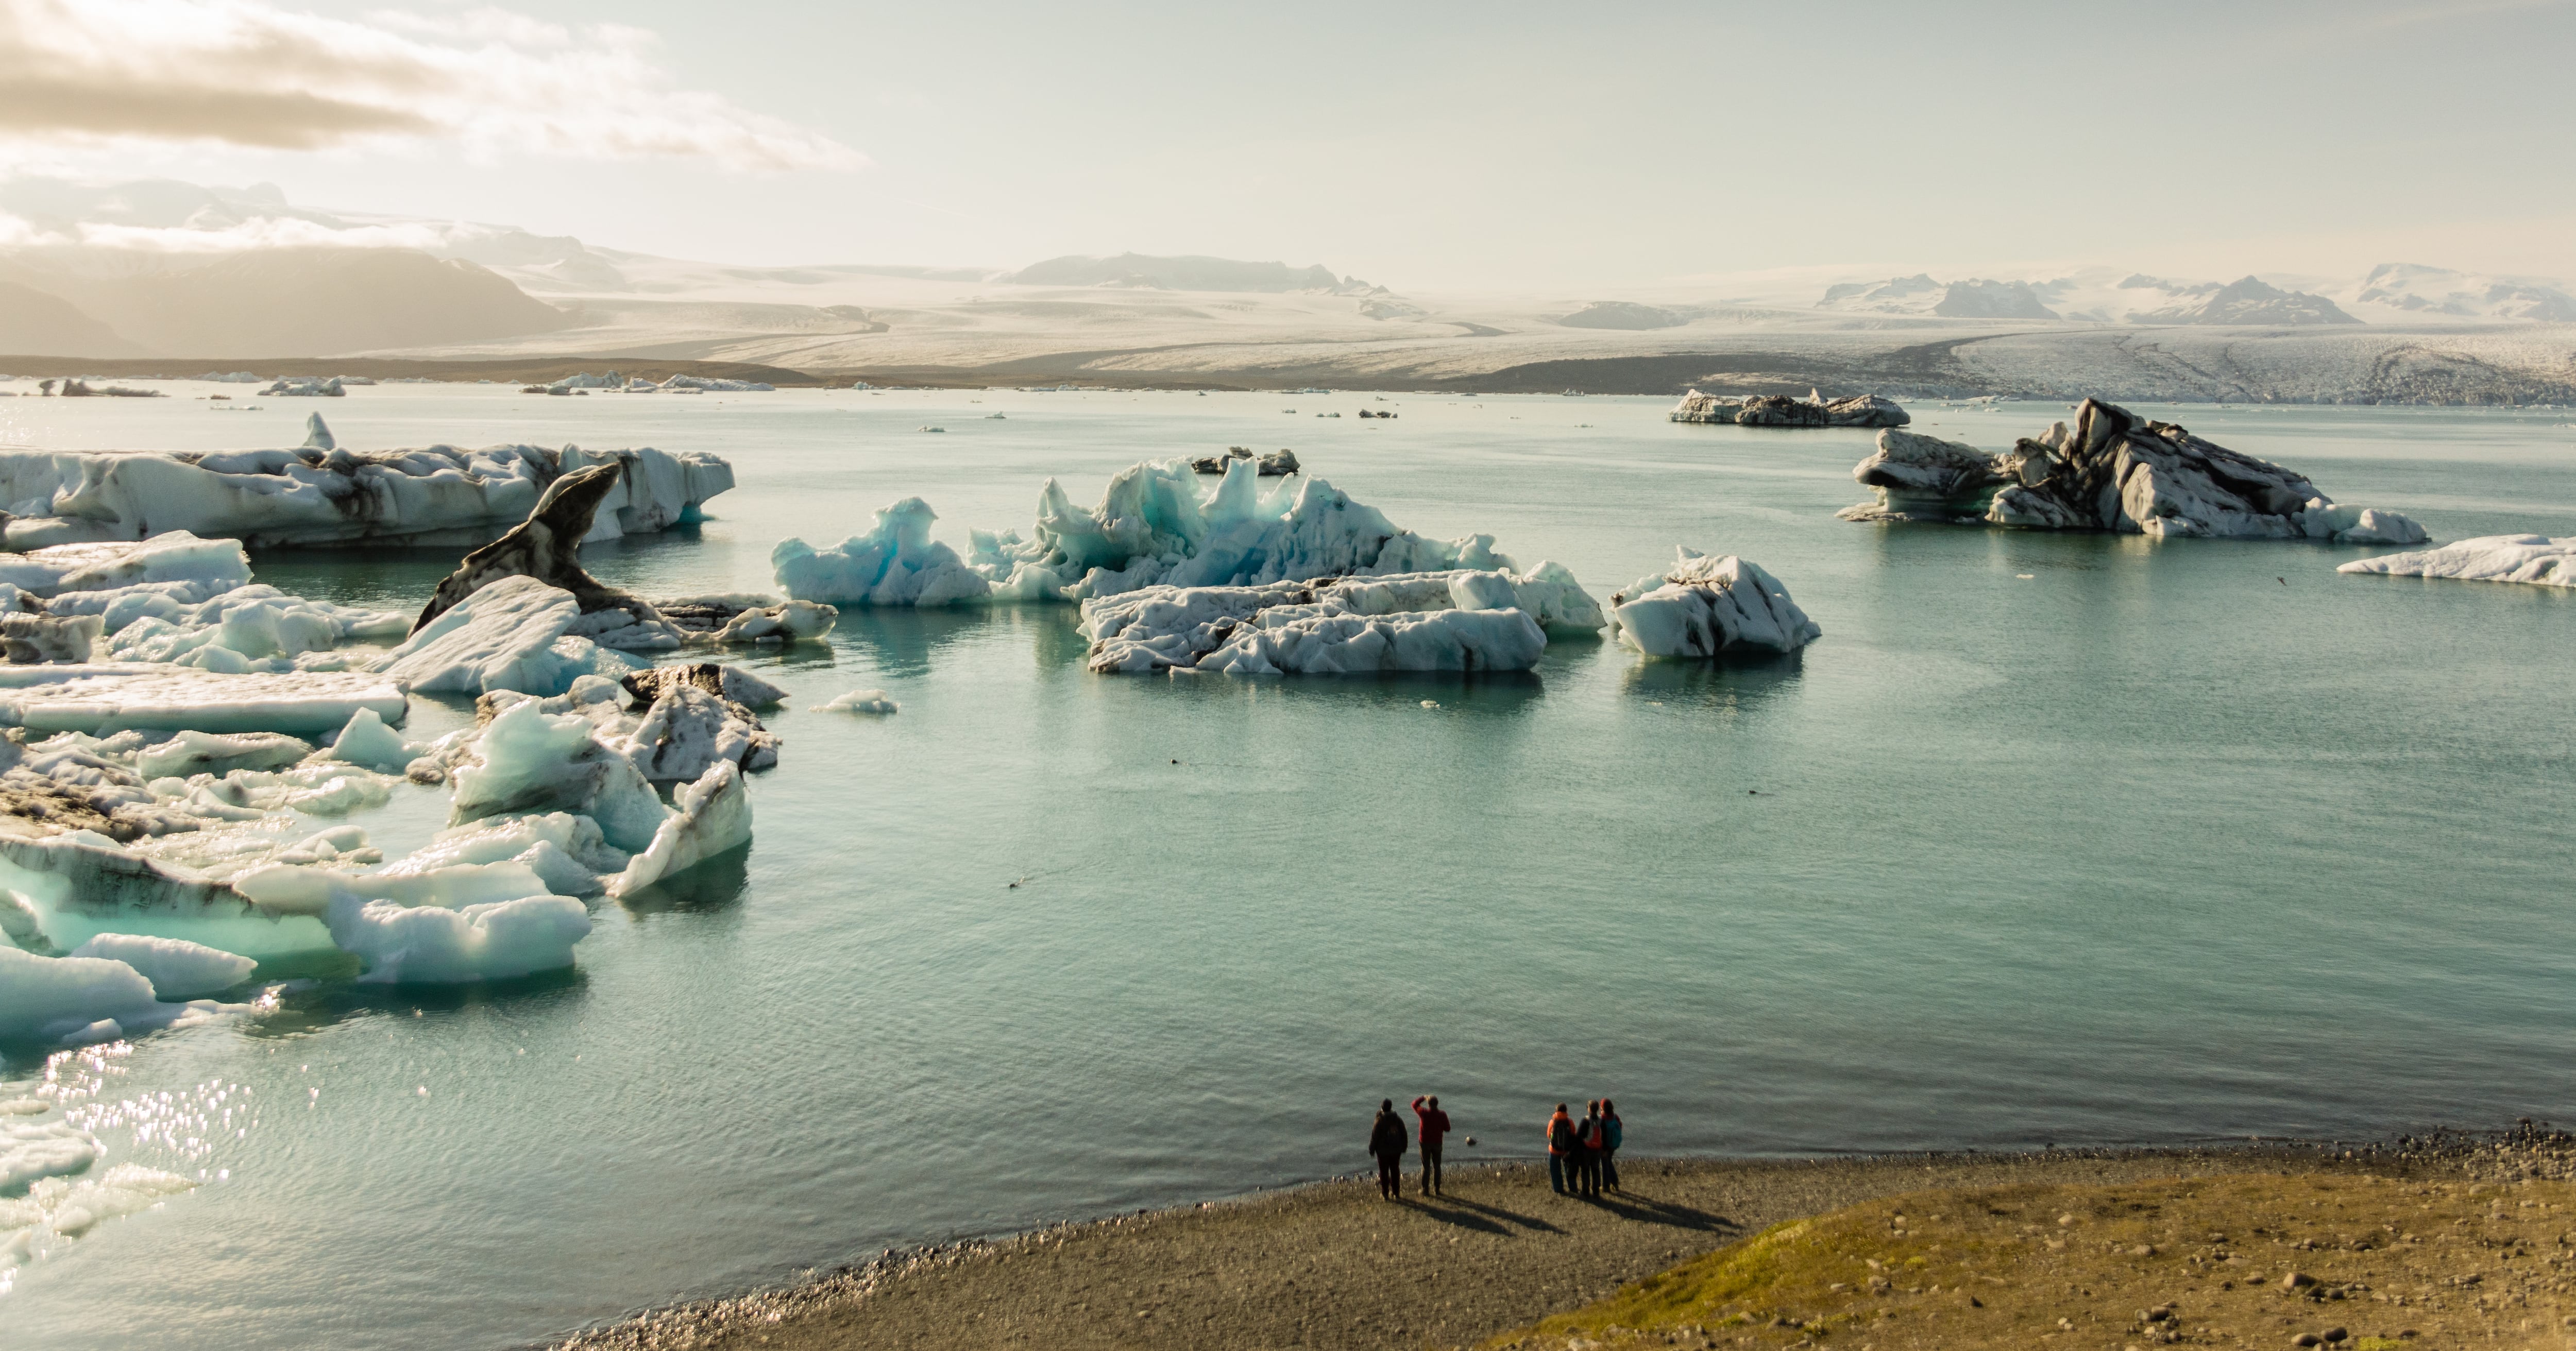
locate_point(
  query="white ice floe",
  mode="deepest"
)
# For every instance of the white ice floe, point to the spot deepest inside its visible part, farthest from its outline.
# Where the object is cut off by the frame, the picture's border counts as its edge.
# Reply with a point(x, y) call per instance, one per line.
point(74, 1001)
point(1461, 620)
point(566, 852)
point(512, 635)
point(714, 815)
point(176, 968)
point(102, 698)
point(427, 944)
point(747, 617)
point(2535, 560)
point(2114, 471)
point(1707, 606)
point(858, 701)
point(34, 1150)
point(65, 1207)
point(170, 599)
point(322, 493)
point(1152, 526)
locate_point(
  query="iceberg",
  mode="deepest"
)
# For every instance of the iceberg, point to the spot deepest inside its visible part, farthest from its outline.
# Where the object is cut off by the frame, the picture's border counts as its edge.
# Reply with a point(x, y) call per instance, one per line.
point(367, 741)
point(2534, 560)
point(1153, 527)
point(529, 761)
point(859, 701)
point(1710, 607)
point(746, 617)
point(106, 698)
point(1780, 410)
point(321, 493)
point(2113, 472)
point(432, 945)
point(176, 968)
point(714, 816)
point(1459, 620)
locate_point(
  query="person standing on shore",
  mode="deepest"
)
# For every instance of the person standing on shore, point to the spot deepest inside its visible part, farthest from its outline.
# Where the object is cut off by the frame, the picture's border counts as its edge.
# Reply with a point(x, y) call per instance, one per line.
point(1386, 1141)
point(1610, 1138)
point(1560, 1149)
point(1587, 1149)
point(1435, 1124)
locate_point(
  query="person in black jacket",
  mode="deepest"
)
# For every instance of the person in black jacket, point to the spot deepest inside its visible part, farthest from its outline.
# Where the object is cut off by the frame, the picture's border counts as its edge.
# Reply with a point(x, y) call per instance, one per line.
point(1387, 1139)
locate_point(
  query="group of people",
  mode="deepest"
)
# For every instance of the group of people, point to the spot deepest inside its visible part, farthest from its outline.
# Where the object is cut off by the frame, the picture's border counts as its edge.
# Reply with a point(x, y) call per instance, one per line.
point(1582, 1156)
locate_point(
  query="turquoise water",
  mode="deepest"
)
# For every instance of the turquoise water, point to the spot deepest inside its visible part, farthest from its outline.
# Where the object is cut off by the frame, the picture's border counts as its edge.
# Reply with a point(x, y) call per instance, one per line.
point(2050, 839)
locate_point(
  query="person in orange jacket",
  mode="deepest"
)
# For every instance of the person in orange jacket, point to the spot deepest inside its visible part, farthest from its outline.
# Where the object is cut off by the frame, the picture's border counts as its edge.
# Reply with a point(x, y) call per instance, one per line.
point(1560, 1149)
point(1435, 1124)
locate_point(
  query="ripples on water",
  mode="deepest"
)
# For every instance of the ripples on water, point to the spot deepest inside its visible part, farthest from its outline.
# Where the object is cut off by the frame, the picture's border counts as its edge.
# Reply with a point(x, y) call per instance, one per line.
point(2051, 838)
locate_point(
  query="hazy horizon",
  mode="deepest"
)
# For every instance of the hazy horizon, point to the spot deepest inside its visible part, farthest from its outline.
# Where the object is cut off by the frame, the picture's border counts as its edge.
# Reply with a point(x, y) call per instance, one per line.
point(1449, 150)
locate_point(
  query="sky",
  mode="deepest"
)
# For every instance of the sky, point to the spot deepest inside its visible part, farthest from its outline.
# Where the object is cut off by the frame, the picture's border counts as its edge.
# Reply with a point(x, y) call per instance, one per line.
point(1494, 146)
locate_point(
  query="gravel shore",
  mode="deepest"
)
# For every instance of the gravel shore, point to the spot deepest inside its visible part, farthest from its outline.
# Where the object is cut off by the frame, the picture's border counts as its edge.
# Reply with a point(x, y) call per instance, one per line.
point(1333, 1266)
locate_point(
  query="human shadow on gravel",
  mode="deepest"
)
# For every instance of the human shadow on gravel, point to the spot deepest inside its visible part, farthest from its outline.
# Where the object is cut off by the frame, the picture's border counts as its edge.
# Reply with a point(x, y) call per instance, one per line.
point(1630, 1206)
point(1490, 1219)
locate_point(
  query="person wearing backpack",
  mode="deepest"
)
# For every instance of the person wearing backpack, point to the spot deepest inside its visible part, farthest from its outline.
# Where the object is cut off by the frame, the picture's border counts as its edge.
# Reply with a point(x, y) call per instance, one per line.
point(1610, 1138)
point(1560, 1150)
point(1587, 1150)
point(1387, 1141)
point(1435, 1124)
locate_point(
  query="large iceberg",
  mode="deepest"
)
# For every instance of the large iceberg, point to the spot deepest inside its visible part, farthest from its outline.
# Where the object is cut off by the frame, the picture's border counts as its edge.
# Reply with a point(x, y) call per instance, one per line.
point(1458, 620)
point(2113, 471)
point(546, 547)
point(2535, 560)
point(1152, 527)
point(515, 634)
point(321, 493)
point(1780, 410)
point(1710, 607)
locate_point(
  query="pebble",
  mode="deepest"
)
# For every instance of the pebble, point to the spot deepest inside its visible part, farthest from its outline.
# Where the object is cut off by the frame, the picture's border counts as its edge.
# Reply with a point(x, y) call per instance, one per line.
point(2297, 1279)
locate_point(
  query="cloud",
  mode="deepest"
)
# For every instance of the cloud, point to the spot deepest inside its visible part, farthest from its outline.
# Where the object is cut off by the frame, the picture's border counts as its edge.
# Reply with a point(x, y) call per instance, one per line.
point(248, 73)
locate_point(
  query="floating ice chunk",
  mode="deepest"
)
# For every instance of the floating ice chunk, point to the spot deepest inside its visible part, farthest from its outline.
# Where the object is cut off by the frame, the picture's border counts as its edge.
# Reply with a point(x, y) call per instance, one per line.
point(177, 968)
point(107, 698)
point(896, 563)
point(687, 729)
point(1710, 607)
point(748, 618)
point(214, 753)
point(171, 556)
point(30, 1150)
point(431, 945)
point(508, 636)
point(1437, 621)
point(725, 682)
point(2535, 560)
point(67, 1207)
point(28, 638)
point(315, 494)
point(305, 890)
point(546, 546)
point(531, 761)
point(859, 701)
point(80, 1000)
point(367, 741)
point(714, 815)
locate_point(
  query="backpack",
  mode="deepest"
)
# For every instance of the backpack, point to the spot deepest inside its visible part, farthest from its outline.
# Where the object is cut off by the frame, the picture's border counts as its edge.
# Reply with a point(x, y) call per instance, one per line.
point(1560, 1134)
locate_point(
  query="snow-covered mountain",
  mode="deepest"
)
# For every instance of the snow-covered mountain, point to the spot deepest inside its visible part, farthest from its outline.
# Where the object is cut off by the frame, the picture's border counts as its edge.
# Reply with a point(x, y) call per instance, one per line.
point(2418, 291)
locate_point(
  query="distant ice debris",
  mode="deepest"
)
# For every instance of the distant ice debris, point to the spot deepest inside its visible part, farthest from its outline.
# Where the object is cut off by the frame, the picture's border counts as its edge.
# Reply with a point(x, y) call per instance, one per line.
point(859, 701)
point(710, 385)
point(1462, 620)
point(2535, 560)
point(1710, 607)
point(1152, 527)
point(322, 494)
point(2114, 472)
point(1622, 314)
point(306, 387)
point(1780, 410)
point(1269, 464)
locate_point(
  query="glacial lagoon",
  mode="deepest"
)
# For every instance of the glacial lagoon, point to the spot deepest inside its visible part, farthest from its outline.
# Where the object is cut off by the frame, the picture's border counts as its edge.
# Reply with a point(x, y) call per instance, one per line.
point(2060, 839)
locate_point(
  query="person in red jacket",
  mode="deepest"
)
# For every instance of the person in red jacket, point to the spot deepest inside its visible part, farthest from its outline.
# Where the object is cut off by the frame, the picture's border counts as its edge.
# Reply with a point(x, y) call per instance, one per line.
point(1560, 1149)
point(1435, 1123)
point(1386, 1141)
